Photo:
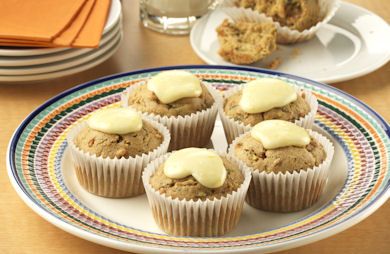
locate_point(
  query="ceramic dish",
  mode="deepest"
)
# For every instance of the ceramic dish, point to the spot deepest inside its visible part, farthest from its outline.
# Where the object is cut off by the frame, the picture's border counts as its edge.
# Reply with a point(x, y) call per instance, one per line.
point(64, 64)
point(29, 61)
point(113, 17)
point(93, 61)
point(40, 169)
point(355, 42)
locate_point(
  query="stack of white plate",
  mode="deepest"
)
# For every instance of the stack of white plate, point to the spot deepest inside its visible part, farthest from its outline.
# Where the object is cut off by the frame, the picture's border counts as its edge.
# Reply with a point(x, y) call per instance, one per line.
point(30, 64)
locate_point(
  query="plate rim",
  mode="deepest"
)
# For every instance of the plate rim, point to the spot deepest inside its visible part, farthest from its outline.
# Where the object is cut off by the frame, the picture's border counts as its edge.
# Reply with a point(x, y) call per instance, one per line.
point(134, 246)
point(66, 63)
point(43, 51)
point(58, 56)
point(28, 78)
point(333, 79)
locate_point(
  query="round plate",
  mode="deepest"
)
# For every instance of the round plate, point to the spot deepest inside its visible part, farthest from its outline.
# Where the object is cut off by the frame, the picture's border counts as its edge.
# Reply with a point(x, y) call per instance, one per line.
point(64, 64)
point(113, 16)
point(93, 61)
point(40, 169)
point(355, 42)
point(30, 61)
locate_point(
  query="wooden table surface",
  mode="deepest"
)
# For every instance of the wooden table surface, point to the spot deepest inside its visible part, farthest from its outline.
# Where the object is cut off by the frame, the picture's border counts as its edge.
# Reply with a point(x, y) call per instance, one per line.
point(23, 231)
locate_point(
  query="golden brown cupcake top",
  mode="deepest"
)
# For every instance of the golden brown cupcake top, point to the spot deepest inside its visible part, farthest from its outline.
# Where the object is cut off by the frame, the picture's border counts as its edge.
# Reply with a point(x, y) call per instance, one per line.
point(118, 145)
point(290, 112)
point(284, 159)
point(188, 188)
point(144, 100)
point(296, 14)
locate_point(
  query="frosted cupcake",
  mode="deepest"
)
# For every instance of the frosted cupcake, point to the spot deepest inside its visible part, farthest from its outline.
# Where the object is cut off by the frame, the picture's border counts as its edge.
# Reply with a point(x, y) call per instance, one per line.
point(111, 149)
point(289, 165)
point(179, 100)
point(265, 99)
point(196, 192)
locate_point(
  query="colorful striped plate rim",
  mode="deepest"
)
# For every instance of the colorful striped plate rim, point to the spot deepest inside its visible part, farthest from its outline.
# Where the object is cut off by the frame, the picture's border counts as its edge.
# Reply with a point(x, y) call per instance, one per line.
point(37, 147)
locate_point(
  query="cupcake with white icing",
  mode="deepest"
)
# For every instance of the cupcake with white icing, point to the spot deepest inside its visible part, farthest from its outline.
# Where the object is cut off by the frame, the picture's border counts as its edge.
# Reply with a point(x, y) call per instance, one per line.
point(111, 149)
point(180, 101)
point(265, 99)
point(289, 165)
point(196, 192)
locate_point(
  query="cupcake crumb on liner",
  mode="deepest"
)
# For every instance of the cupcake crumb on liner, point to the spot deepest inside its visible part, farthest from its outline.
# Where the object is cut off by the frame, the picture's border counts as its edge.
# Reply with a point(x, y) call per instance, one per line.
point(192, 130)
point(196, 218)
point(113, 178)
point(286, 35)
point(234, 128)
point(288, 192)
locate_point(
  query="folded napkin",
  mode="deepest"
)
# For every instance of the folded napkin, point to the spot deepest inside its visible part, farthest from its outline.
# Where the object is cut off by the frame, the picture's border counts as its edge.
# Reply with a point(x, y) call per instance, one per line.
point(93, 28)
point(69, 35)
point(52, 23)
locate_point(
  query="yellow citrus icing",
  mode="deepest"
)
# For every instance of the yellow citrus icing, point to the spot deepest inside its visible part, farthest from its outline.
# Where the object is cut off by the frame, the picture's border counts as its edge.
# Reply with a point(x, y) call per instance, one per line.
point(115, 121)
point(170, 86)
point(278, 133)
point(204, 165)
point(264, 94)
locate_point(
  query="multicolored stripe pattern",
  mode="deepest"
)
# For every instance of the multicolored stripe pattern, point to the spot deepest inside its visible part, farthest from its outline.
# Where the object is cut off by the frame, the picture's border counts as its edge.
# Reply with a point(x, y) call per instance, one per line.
point(39, 144)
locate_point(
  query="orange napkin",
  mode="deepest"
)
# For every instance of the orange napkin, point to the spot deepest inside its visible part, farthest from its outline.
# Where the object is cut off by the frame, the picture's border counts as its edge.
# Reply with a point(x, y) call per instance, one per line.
point(84, 29)
point(69, 35)
point(40, 20)
point(93, 28)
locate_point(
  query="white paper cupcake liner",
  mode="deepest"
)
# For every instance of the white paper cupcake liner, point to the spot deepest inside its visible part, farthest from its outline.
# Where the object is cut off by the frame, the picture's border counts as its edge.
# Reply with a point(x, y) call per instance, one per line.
point(288, 192)
point(234, 128)
point(192, 130)
point(196, 218)
point(114, 178)
point(285, 34)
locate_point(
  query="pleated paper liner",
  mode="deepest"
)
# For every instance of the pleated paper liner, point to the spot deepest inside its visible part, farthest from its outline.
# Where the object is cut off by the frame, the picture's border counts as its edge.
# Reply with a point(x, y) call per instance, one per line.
point(113, 178)
point(288, 192)
point(206, 218)
point(286, 35)
point(192, 130)
point(234, 128)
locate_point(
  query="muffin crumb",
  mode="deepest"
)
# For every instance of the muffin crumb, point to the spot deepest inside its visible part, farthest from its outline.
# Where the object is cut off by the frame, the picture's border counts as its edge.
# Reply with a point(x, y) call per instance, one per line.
point(274, 64)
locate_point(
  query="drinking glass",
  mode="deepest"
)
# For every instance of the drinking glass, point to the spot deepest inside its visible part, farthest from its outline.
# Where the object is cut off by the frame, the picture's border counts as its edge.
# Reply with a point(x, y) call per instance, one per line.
point(173, 16)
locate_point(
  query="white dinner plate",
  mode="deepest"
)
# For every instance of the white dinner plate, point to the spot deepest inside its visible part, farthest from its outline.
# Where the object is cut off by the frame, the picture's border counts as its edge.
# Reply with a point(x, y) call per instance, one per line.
point(41, 171)
point(61, 65)
point(30, 61)
point(64, 72)
point(355, 42)
point(113, 16)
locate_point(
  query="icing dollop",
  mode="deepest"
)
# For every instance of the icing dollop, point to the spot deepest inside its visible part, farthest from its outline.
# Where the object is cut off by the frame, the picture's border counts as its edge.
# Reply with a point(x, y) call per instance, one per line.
point(279, 133)
point(206, 166)
point(264, 94)
point(115, 121)
point(170, 86)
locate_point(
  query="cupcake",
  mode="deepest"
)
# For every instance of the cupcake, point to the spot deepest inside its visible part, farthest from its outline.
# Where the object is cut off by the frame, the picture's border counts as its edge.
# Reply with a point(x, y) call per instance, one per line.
point(179, 100)
point(196, 192)
point(111, 149)
point(295, 20)
point(295, 14)
point(289, 165)
point(265, 99)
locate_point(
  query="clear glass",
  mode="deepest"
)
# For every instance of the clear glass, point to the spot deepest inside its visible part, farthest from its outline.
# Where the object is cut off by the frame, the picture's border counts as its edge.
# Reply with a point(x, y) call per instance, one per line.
point(173, 16)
